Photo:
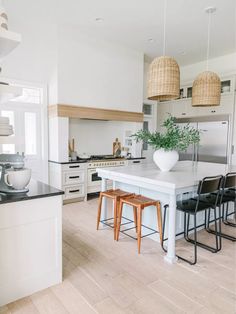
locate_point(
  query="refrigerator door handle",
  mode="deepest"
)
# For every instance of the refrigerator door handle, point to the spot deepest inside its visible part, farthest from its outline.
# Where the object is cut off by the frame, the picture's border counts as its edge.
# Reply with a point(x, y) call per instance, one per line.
point(196, 151)
point(193, 155)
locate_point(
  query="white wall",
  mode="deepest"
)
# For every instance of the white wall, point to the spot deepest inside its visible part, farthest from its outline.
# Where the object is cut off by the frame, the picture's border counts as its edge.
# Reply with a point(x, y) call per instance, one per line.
point(96, 73)
point(97, 137)
point(224, 65)
point(34, 59)
point(79, 69)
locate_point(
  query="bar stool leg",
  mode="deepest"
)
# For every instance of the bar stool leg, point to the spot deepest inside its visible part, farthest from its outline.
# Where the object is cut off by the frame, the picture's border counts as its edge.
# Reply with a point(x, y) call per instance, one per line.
point(99, 210)
point(159, 220)
point(116, 204)
point(139, 227)
point(135, 218)
point(120, 208)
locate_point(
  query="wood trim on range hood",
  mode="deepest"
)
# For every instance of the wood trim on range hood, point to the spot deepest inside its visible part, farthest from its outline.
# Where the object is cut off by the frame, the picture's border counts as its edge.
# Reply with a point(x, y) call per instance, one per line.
point(94, 113)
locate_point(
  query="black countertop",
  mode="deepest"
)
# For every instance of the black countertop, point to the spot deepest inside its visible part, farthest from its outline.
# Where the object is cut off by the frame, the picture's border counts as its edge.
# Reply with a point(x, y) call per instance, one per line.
point(36, 190)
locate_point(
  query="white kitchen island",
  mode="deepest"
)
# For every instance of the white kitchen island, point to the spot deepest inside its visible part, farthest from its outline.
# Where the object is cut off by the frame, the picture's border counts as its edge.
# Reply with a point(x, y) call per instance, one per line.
point(148, 180)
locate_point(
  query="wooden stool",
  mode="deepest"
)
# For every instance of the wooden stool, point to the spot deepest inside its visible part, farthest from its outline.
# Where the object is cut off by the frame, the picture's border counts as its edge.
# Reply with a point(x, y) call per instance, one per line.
point(114, 195)
point(139, 202)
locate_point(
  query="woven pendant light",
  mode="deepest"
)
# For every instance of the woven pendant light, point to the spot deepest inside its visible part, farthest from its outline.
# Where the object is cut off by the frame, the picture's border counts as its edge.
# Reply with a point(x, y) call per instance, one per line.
point(164, 79)
point(206, 90)
point(164, 75)
point(207, 85)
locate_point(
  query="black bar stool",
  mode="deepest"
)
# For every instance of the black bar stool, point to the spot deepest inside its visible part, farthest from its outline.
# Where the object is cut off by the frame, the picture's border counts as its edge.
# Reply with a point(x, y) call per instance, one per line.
point(191, 207)
point(228, 194)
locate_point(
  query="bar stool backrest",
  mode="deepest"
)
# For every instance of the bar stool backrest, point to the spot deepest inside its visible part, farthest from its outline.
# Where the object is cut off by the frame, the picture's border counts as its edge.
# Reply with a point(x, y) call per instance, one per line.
point(210, 185)
point(230, 180)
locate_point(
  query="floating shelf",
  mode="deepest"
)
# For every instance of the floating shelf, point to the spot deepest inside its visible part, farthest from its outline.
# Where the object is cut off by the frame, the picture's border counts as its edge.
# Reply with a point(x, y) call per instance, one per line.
point(8, 42)
point(8, 92)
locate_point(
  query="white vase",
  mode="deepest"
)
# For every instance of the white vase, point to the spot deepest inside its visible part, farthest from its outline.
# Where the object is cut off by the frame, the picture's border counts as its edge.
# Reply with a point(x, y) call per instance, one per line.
point(165, 160)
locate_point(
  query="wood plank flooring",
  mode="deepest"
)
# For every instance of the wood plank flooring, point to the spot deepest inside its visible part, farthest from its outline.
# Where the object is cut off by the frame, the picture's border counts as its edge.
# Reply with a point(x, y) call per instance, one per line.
point(106, 277)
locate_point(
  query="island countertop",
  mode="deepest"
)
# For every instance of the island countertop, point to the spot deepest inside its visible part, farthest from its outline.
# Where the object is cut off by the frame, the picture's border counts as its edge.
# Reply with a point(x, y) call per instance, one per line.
point(184, 174)
point(37, 189)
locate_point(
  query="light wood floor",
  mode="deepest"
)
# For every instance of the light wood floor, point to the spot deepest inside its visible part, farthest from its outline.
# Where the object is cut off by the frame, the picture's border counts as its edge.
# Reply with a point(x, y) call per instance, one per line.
point(103, 276)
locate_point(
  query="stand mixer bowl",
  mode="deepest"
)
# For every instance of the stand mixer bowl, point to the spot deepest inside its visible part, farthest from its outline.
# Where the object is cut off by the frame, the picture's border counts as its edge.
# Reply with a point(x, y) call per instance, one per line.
point(17, 179)
point(14, 177)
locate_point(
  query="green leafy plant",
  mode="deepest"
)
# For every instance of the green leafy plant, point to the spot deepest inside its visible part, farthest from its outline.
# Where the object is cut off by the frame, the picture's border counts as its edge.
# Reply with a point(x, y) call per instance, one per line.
point(174, 137)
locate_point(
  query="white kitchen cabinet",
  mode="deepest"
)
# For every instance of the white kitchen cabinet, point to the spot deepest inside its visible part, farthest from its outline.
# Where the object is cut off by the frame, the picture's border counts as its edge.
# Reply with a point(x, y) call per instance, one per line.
point(163, 111)
point(226, 107)
point(182, 108)
point(71, 178)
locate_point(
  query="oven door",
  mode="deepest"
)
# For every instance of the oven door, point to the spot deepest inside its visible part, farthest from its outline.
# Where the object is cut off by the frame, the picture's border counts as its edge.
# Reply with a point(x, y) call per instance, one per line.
point(94, 182)
point(93, 178)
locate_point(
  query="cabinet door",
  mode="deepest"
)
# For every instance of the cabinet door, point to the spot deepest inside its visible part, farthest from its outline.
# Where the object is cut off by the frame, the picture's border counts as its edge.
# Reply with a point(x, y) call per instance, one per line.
point(164, 109)
point(225, 107)
point(182, 108)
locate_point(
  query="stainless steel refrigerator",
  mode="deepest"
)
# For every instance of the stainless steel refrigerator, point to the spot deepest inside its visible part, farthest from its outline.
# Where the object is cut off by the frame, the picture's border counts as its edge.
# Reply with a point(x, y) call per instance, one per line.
point(215, 140)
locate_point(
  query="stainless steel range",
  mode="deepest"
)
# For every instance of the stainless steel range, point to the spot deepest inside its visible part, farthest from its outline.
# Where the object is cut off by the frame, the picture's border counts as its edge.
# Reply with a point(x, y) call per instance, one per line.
point(101, 161)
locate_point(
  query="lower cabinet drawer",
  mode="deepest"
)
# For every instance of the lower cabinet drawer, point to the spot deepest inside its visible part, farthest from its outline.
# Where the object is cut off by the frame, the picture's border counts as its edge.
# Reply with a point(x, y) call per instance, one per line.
point(74, 191)
point(73, 177)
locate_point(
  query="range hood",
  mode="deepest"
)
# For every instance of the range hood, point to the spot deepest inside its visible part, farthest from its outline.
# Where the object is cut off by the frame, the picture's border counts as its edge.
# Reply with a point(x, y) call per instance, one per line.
point(8, 92)
point(90, 113)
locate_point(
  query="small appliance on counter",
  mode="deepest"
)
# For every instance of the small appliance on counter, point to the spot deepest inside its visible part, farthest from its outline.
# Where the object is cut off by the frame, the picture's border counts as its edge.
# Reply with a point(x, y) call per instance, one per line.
point(14, 177)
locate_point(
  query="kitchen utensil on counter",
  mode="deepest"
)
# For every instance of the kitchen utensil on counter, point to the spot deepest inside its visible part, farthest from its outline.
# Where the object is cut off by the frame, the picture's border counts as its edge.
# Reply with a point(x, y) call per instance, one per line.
point(73, 155)
point(71, 146)
point(84, 156)
point(116, 148)
point(14, 177)
point(124, 151)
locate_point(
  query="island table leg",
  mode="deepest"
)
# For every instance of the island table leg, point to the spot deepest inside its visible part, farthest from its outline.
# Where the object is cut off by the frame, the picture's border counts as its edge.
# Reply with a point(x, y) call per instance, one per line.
point(171, 257)
point(104, 201)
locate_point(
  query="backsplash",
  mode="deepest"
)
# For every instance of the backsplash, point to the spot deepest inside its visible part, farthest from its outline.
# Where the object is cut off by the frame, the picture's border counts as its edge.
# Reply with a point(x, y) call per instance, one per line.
point(96, 137)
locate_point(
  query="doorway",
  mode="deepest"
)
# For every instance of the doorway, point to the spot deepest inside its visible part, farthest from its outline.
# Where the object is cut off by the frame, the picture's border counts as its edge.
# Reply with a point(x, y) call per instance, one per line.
point(28, 116)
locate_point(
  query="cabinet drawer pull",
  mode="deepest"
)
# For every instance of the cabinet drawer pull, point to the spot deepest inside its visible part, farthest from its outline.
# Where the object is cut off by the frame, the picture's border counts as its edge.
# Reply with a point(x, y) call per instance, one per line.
point(213, 111)
point(74, 177)
point(74, 166)
point(183, 113)
point(74, 191)
point(136, 162)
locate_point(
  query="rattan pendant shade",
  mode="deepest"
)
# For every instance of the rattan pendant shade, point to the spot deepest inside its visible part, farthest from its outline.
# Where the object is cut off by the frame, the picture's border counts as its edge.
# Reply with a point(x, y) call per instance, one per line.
point(206, 90)
point(163, 79)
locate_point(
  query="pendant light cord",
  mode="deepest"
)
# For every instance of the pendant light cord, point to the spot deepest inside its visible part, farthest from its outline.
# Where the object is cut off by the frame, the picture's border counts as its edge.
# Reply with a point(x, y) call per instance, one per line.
point(208, 39)
point(164, 28)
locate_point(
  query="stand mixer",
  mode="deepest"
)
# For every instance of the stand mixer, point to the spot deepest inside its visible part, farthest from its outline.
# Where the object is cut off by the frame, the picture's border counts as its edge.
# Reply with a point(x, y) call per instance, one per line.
point(13, 163)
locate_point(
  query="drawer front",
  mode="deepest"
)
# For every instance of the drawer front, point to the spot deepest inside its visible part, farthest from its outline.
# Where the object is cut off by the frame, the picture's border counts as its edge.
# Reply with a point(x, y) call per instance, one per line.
point(73, 177)
point(136, 161)
point(74, 191)
point(74, 167)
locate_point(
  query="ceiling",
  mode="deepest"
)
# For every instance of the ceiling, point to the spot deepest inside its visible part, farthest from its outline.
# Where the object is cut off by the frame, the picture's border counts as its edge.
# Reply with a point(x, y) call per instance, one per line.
point(133, 22)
